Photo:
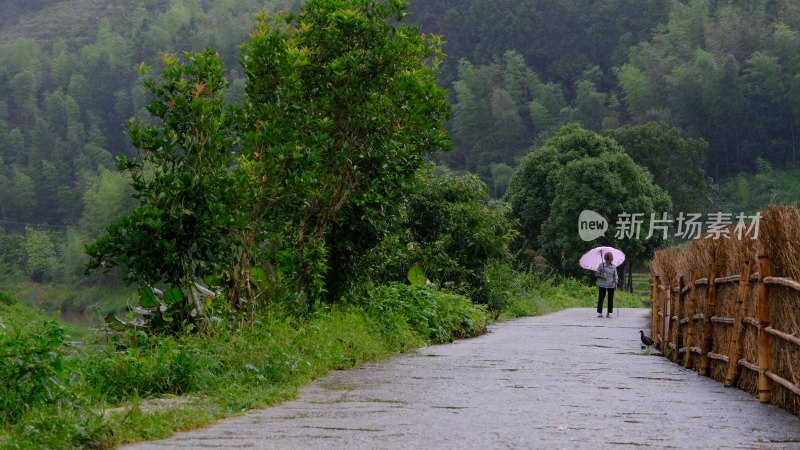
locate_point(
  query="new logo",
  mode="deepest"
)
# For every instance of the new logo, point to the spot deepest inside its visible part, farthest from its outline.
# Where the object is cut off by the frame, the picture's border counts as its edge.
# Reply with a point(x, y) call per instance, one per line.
point(591, 225)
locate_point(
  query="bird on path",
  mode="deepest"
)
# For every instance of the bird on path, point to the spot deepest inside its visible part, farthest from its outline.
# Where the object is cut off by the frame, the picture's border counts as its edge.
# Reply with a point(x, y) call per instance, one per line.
point(645, 340)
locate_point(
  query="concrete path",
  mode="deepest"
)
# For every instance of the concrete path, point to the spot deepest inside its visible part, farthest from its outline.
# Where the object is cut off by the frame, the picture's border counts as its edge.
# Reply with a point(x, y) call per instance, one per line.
point(567, 380)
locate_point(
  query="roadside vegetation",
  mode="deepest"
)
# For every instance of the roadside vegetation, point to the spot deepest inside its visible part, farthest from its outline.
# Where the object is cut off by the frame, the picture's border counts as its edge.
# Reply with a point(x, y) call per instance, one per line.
point(108, 387)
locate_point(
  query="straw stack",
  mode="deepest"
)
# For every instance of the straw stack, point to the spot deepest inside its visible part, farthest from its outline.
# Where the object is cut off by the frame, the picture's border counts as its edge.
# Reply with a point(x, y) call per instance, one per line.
point(780, 239)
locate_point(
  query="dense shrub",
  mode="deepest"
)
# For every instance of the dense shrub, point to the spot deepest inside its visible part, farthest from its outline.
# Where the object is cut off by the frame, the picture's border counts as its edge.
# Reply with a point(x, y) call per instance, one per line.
point(436, 315)
point(451, 229)
point(31, 365)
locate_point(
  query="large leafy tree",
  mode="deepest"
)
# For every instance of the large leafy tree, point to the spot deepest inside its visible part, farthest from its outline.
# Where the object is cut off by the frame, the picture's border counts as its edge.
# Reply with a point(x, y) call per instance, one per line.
point(580, 170)
point(532, 187)
point(342, 106)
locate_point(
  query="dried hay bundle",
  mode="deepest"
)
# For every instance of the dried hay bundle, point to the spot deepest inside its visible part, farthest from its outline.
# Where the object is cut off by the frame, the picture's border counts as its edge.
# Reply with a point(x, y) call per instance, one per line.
point(751, 300)
point(673, 330)
point(727, 294)
point(696, 258)
point(699, 302)
point(785, 312)
point(739, 251)
point(780, 242)
point(722, 338)
point(779, 239)
point(663, 266)
point(779, 235)
point(721, 343)
point(673, 309)
point(718, 370)
point(785, 309)
point(786, 399)
point(748, 381)
point(696, 362)
point(750, 344)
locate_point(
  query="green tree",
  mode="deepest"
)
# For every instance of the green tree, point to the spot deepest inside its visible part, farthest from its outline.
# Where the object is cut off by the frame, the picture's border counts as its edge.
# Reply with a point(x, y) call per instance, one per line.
point(107, 198)
point(501, 175)
point(636, 90)
point(576, 170)
point(72, 253)
point(343, 104)
point(24, 197)
point(41, 261)
point(609, 184)
point(531, 188)
point(676, 163)
point(182, 229)
point(307, 172)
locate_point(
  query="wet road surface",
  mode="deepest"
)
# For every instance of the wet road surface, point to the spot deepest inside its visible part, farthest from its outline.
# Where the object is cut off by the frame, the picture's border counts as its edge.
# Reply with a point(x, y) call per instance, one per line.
point(566, 380)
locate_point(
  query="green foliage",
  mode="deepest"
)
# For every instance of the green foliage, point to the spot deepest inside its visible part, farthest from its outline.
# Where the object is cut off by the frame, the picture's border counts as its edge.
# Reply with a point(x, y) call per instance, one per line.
point(452, 229)
point(416, 275)
point(436, 315)
point(343, 105)
point(219, 373)
point(7, 299)
point(574, 171)
point(108, 197)
point(40, 255)
point(498, 108)
point(752, 192)
point(31, 365)
point(340, 109)
point(532, 293)
point(675, 163)
point(189, 209)
point(157, 367)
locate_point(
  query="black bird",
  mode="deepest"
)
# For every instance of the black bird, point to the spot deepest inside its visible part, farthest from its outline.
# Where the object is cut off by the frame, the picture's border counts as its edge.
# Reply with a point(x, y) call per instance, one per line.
point(645, 340)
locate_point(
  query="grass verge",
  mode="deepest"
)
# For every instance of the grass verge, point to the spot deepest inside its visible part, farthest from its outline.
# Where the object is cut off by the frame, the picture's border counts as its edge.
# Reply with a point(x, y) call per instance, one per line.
point(54, 394)
point(114, 389)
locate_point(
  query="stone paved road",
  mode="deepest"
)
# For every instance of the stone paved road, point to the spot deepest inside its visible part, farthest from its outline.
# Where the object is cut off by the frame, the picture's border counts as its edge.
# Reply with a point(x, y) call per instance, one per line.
point(567, 380)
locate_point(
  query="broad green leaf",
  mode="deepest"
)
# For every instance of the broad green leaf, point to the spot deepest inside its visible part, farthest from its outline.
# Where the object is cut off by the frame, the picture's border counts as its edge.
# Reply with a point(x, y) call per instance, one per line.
point(114, 323)
point(416, 275)
point(258, 276)
point(172, 296)
point(147, 299)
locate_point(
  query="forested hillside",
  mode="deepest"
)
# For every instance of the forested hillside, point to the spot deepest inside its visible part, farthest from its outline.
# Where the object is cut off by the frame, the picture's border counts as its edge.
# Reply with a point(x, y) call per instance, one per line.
point(69, 83)
point(724, 73)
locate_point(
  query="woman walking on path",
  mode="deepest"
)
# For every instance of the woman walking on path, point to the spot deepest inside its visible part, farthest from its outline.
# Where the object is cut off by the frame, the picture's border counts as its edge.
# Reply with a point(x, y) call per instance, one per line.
point(606, 282)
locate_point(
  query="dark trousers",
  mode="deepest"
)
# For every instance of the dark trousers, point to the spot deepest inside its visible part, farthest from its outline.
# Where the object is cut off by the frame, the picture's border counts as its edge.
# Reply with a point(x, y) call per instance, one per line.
point(601, 295)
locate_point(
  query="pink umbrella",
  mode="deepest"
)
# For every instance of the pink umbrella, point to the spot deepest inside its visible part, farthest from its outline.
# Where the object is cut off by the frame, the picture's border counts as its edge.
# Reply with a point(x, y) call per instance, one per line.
point(591, 259)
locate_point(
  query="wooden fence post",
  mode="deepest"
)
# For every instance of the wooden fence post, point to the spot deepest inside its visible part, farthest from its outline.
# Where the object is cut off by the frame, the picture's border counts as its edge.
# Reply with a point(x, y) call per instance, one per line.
point(679, 330)
point(764, 348)
point(667, 318)
point(654, 305)
point(690, 312)
point(735, 347)
point(709, 309)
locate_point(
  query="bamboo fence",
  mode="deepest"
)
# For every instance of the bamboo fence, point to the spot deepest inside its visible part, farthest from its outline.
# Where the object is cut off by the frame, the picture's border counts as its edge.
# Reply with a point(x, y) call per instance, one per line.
point(729, 308)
